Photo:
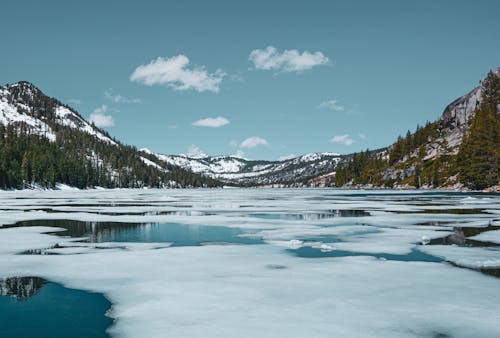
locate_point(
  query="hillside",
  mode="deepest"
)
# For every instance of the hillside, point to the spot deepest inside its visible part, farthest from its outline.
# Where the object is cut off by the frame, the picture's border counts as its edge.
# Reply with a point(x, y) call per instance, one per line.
point(461, 149)
point(239, 171)
point(44, 142)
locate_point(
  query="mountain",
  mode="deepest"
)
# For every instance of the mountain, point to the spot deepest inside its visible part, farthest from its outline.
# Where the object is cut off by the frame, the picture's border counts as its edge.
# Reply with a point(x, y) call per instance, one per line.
point(239, 171)
point(460, 149)
point(46, 143)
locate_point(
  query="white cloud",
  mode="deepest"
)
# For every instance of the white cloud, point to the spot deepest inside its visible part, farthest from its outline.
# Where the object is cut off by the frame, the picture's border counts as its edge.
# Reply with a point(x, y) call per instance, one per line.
point(173, 126)
point(195, 152)
point(100, 119)
point(287, 61)
point(173, 72)
point(74, 101)
point(233, 143)
point(101, 110)
point(239, 153)
point(331, 105)
point(117, 98)
point(212, 122)
point(362, 136)
point(253, 142)
point(343, 139)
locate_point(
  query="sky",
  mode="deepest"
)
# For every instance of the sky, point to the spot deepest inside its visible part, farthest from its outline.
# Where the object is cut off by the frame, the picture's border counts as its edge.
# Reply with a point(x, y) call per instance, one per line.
point(259, 79)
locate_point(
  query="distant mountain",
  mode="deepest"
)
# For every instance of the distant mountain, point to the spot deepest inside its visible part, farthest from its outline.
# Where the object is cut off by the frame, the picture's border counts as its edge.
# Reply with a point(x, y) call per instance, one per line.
point(461, 149)
point(44, 142)
point(239, 171)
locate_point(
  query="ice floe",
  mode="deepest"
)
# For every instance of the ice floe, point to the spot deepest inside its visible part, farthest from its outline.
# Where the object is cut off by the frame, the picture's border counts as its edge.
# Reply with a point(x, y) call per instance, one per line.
point(226, 290)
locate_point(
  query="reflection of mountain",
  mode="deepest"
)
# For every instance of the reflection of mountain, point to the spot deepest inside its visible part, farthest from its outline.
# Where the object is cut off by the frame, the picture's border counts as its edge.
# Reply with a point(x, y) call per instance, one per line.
point(21, 287)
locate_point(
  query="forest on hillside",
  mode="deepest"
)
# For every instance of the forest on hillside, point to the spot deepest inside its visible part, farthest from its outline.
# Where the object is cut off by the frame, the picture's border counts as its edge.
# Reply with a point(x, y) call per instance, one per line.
point(476, 166)
point(81, 160)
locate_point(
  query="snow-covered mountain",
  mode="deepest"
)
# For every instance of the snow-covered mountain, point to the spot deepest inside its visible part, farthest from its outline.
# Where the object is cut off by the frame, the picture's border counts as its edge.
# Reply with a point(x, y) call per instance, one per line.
point(237, 170)
point(23, 103)
point(45, 143)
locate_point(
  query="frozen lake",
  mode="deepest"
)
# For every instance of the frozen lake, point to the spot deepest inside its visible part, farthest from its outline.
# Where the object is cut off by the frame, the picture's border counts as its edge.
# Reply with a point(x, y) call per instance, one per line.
point(251, 262)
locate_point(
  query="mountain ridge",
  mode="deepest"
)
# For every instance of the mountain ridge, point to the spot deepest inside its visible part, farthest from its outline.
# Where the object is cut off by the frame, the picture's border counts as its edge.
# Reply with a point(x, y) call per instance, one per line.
point(44, 142)
point(412, 161)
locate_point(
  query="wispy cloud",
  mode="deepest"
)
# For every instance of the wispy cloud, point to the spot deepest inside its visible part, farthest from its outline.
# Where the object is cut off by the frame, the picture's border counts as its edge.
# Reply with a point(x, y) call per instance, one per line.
point(195, 152)
point(211, 122)
point(253, 142)
point(117, 98)
point(331, 105)
point(75, 102)
point(100, 118)
point(342, 139)
point(287, 61)
point(239, 153)
point(173, 126)
point(174, 72)
point(362, 136)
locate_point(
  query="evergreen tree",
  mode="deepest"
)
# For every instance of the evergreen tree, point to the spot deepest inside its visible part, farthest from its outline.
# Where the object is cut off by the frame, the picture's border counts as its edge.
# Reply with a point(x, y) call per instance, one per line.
point(479, 156)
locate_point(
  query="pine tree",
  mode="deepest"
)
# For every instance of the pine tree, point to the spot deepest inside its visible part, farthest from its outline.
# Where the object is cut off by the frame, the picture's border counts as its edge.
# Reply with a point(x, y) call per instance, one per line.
point(479, 156)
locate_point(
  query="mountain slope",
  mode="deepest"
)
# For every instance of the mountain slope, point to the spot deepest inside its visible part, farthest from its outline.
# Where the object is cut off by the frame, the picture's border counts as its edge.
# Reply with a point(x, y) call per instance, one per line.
point(240, 171)
point(44, 142)
point(435, 155)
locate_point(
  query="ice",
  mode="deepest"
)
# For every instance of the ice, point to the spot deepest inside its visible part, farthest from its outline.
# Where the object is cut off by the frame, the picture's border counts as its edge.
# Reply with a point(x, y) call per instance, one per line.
point(492, 236)
point(229, 291)
point(225, 290)
point(470, 257)
point(16, 240)
point(388, 240)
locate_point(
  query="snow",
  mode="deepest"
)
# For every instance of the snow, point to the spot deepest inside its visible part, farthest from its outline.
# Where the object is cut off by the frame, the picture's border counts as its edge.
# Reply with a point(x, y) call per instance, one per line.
point(220, 290)
point(9, 114)
point(152, 164)
point(470, 257)
point(16, 240)
point(67, 118)
point(233, 168)
point(229, 291)
point(492, 236)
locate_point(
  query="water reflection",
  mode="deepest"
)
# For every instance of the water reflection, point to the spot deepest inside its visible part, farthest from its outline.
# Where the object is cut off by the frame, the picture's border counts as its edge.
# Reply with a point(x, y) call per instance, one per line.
point(35, 307)
point(21, 287)
point(176, 233)
point(312, 216)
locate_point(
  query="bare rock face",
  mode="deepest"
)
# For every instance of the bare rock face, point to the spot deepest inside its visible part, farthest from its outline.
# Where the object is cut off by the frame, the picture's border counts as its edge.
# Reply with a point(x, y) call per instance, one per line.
point(456, 118)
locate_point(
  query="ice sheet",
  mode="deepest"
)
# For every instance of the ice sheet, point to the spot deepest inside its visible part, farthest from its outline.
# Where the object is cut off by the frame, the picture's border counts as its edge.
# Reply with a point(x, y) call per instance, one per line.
point(262, 290)
point(492, 236)
point(470, 257)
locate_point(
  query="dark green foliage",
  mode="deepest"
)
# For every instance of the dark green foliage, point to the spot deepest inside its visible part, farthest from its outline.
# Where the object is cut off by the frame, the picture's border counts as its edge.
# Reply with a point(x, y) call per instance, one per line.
point(76, 158)
point(80, 160)
point(364, 168)
point(479, 156)
point(477, 163)
point(408, 144)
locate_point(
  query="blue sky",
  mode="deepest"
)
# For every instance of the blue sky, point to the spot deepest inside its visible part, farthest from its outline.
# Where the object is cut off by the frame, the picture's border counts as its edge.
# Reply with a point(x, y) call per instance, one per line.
point(266, 79)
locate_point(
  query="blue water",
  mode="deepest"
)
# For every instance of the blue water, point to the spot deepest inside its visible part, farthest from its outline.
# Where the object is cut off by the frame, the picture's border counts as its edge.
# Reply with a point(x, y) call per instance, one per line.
point(413, 256)
point(176, 233)
point(54, 311)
